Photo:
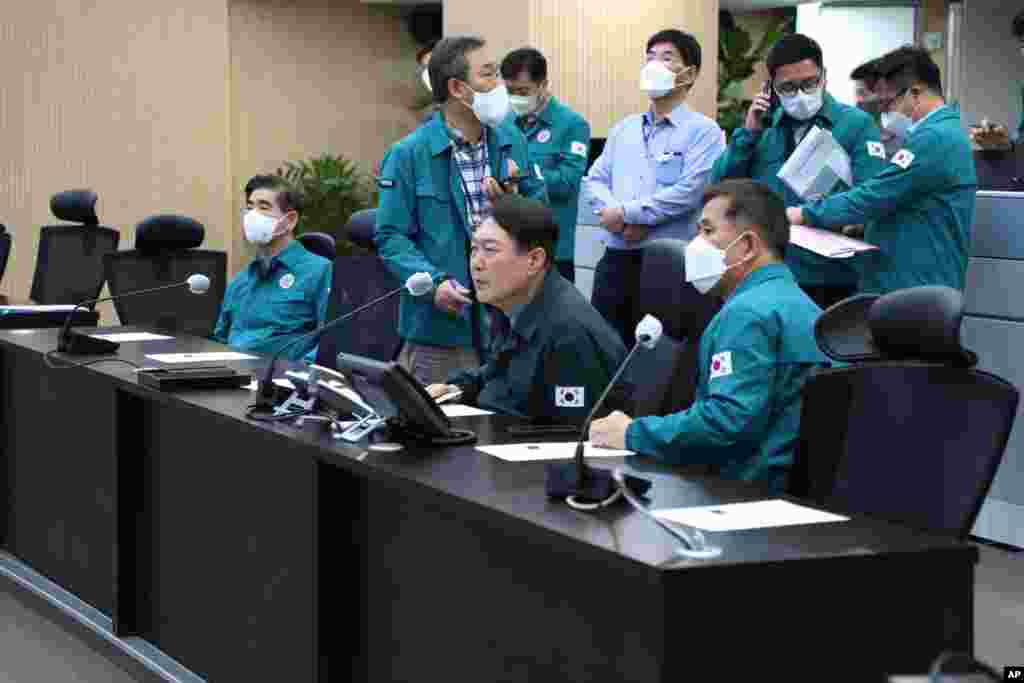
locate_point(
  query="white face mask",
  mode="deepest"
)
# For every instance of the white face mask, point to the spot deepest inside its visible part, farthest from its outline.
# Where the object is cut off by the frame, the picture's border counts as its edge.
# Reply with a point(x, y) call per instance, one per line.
point(896, 123)
point(705, 263)
point(522, 104)
point(802, 106)
point(491, 108)
point(260, 228)
point(656, 79)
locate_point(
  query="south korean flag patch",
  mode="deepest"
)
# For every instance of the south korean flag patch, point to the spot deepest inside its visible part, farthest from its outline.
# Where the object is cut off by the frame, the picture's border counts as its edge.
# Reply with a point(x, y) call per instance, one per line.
point(876, 149)
point(569, 397)
point(721, 364)
point(903, 158)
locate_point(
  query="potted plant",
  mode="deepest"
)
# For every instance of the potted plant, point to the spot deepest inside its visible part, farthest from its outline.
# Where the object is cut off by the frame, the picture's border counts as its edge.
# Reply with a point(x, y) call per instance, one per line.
point(334, 189)
point(737, 57)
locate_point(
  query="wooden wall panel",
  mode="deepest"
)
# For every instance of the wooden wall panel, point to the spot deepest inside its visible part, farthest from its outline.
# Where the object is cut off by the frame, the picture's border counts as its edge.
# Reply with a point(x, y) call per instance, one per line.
point(127, 98)
point(315, 76)
point(596, 51)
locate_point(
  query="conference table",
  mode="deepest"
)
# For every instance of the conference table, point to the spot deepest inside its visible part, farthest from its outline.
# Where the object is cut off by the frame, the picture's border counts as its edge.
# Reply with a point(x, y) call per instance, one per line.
point(188, 542)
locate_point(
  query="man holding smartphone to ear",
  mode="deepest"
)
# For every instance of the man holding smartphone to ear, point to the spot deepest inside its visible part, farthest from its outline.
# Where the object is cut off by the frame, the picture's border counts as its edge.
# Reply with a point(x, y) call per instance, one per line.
point(797, 89)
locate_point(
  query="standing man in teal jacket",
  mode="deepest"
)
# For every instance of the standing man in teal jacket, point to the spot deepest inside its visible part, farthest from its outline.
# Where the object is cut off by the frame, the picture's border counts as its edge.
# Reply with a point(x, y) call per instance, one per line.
point(920, 208)
point(754, 355)
point(436, 186)
point(771, 134)
point(558, 140)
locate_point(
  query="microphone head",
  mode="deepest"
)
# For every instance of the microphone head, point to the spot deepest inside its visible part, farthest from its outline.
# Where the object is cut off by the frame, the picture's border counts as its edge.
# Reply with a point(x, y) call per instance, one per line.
point(419, 284)
point(198, 284)
point(648, 331)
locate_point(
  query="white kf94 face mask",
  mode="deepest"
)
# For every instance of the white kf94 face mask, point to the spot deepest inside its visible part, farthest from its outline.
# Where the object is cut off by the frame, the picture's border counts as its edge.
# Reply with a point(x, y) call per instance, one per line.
point(259, 227)
point(705, 263)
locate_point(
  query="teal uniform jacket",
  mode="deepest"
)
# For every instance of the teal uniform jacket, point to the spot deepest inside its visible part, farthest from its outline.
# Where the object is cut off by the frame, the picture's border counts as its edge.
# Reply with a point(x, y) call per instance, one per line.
point(753, 360)
point(559, 144)
point(552, 362)
point(918, 210)
point(266, 308)
point(423, 223)
point(759, 156)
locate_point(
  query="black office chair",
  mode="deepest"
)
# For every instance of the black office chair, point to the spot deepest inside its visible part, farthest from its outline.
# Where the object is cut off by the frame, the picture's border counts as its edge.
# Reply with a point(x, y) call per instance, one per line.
point(910, 431)
point(5, 249)
point(664, 379)
point(319, 243)
point(69, 264)
point(165, 253)
point(360, 278)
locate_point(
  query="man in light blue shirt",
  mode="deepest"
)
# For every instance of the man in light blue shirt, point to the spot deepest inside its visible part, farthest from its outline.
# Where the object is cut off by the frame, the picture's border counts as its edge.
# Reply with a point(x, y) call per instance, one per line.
point(648, 182)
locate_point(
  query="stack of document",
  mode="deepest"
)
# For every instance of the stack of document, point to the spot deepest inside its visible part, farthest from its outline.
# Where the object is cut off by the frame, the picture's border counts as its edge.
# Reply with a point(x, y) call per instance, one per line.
point(826, 243)
point(816, 166)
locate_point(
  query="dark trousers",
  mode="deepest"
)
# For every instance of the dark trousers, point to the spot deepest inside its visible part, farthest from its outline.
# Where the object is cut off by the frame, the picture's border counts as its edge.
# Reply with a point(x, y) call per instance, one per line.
point(616, 285)
point(567, 269)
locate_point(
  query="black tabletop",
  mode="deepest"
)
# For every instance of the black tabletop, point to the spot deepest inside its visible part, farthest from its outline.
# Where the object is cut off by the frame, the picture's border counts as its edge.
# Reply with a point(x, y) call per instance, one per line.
point(510, 496)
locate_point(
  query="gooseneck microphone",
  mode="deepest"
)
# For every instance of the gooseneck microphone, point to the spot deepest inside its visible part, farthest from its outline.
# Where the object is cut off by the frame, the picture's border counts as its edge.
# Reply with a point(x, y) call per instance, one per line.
point(418, 284)
point(73, 343)
point(585, 487)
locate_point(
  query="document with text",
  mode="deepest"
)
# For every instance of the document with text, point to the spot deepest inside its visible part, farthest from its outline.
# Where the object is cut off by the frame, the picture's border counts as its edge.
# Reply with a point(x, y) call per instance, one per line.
point(816, 166)
point(552, 450)
point(760, 514)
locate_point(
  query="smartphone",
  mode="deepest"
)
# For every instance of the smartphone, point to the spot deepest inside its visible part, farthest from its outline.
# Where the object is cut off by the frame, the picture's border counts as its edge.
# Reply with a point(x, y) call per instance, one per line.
point(510, 183)
point(773, 101)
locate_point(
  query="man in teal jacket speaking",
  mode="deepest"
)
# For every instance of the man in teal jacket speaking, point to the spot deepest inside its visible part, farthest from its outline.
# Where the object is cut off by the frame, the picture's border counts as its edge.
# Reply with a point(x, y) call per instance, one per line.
point(754, 355)
point(436, 186)
point(919, 209)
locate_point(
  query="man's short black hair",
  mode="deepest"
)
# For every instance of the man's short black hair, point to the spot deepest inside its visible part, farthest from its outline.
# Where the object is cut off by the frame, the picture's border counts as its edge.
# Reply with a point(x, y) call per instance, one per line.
point(287, 197)
point(867, 72)
point(689, 48)
point(258, 182)
point(425, 50)
point(754, 205)
point(448, 61)
point(530, 223)
point(908, 65)
point(525, 59)
point(793, 48)
point(1018, 26)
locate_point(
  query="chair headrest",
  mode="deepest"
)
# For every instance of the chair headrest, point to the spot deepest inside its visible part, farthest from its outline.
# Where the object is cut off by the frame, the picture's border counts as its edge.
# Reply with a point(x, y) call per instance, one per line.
point(319, 243)
point(168, 232)
point(75, 206)
point(361, 227)
point(664, 291)
point(919, 323)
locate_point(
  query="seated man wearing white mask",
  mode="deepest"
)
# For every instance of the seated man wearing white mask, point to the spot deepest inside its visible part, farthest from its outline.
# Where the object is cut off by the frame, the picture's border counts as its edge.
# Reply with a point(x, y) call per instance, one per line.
point(754, 356)
point(795, 99)
point(284, 292)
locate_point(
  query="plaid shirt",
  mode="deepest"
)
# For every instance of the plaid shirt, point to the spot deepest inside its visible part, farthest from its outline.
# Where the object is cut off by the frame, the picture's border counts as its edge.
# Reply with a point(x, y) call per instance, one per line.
point(472, 163)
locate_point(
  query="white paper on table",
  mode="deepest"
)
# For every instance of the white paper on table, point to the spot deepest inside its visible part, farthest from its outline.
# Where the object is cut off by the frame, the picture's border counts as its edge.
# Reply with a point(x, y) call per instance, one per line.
point(816, 165)
point(255, 384)
point(826, 243)
point(51, 308)
point(199, 357)
point(551, 450)
point(131, 336)
point(760, 514)
point(460, 410)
